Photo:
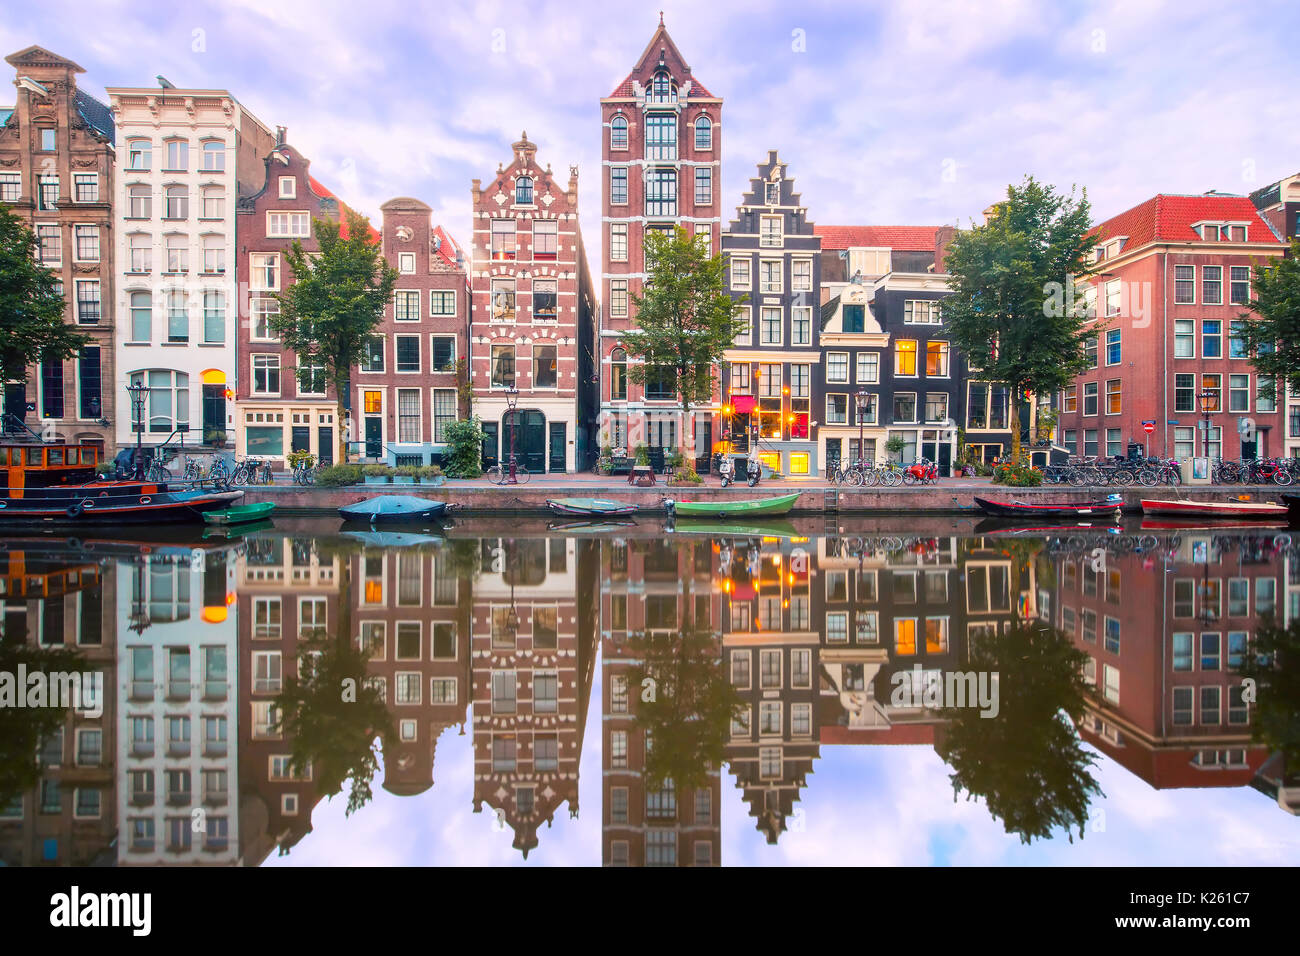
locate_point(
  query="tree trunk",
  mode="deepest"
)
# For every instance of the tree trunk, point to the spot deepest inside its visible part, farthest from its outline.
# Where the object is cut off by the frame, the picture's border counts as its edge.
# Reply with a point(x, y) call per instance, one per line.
point(339, 391)
point(1015, 425)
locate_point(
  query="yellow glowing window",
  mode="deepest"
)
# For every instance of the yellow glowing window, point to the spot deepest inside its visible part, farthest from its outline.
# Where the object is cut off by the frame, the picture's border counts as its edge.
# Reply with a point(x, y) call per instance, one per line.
point(374, 403)
point(374, 592)
point(905, 636)
point(936, 636)
point(770, 458)
point(905, 357)
point(799, 463)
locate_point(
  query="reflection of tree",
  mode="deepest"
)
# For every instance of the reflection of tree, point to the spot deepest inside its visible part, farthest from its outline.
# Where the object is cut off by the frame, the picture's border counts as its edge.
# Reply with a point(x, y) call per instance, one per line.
point(1028, 762)
point(686, 712)
point(24, 729)
point(1274, 666)
point(333, 718)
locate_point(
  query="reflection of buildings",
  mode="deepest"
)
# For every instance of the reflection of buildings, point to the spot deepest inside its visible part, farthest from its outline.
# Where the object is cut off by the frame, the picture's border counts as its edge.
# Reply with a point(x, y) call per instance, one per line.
point(644, 590)
point(1164, 634)
point(178, 796)
point(55, 600)
point(533, 648)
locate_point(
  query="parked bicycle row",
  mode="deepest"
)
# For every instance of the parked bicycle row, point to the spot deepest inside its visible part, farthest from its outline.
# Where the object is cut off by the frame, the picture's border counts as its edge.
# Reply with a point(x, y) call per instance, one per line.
point(1168, 471)
point(862, 473)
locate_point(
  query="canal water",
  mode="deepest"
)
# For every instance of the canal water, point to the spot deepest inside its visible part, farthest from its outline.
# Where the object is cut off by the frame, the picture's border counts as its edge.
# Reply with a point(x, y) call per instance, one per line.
point(634, 693)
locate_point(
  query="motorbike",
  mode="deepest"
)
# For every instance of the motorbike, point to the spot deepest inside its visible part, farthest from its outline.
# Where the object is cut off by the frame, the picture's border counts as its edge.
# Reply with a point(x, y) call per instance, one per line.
point(753, 471)
point(922, 472)
point(727, 470)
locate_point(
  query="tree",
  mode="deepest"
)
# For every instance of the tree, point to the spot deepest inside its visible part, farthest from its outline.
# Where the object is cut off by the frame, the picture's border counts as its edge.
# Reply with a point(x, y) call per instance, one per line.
point(1008, 275)
point(686, 320)
point(1273, 665)
point(337, 298)
point(1272, 333)
point(32, 328)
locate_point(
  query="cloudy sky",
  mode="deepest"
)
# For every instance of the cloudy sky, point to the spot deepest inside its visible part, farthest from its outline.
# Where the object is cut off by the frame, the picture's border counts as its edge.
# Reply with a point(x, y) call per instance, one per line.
point(888, 112)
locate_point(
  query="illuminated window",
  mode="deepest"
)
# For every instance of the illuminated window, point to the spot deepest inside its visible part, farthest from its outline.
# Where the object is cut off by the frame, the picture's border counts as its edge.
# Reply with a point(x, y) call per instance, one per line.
point(905, 357)
point(905, 635)
point(799, 463)
point(374, 402)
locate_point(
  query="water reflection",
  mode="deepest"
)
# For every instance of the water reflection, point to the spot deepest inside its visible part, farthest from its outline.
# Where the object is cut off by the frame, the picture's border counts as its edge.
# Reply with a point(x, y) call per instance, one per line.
point(247, 680)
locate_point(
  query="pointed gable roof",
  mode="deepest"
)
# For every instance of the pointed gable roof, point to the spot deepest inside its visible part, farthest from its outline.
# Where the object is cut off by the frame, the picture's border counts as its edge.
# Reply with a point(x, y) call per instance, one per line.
point(39, 56)
point(660, 42)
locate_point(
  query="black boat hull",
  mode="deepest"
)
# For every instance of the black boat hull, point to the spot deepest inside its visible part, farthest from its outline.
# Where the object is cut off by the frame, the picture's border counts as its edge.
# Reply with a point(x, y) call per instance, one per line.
point(1087, 511)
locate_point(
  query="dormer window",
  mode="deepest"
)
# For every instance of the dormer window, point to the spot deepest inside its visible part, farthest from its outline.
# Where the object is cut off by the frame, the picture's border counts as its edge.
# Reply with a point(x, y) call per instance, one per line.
point(288, 187)
point(1098, 253)
point(662, 88)
point(524, 191)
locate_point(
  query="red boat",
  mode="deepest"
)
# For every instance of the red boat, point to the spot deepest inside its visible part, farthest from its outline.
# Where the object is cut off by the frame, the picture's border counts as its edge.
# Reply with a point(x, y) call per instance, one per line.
point(1251, 510)
point(55, 482)
point(1049, 509)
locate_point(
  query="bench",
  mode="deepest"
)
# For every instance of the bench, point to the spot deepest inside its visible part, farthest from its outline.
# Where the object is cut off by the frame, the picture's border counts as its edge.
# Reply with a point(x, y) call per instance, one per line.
point(641, 475)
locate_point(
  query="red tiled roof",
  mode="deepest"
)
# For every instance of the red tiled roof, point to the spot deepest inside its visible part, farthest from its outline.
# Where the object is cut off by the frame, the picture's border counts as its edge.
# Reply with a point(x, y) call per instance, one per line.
point(697, 88)
point(1169, 217)
point(324, 193)
point(905, 238)
point(449, 246)
point(665, 42)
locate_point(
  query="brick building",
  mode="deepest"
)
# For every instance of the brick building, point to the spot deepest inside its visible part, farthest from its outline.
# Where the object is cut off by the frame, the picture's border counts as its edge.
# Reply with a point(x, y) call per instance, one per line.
point(1170, 279)
point(56, 173)
point(533, 317)
point(1279, 206)
point(662, 157)
point(404, 394)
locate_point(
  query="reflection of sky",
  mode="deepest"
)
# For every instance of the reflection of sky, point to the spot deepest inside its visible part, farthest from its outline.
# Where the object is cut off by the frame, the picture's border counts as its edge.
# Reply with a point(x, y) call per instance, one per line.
point(863, 806)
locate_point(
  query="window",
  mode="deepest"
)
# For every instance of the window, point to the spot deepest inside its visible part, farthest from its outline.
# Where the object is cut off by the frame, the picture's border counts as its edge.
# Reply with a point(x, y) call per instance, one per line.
point(546, 239)
point(741, 277)
point(408, 430)
point(1238, 393)
point(138, 154)
point(1110, 688)
point(176, 202)
point(214, 203)
point(11, 187)
point(904, 407)
point(86, 187)
point(1211, 338)
point(837, 366)
point(442, 302)
point(178, 320)
point(1090, 398)
point(1070, 398)
point(214, 255)
point(1113, 349)
point(618, 133)
point(503, 300)
point(1113, 396)
point(288, 187)
point(661, 137)
point(266, 374)
point(1265, 400)
point(503, 366)
point(141, 316)
point(1185, 285)
point(1212, 384)
point(905, 357)
point(769, 332)
point(801, 325)
point(286, 225)
point(214, 157)
point(408, 353)
point(545, 294)
point(177, 153)
point(444, 411)
point(52, 401)
point(406, 306)
point(139, 202)
point(1212, 285)
point(922, 312)
point(618, 241)
point(769, 231)
point(214, 317)
point(618, 185)
point(544, 366)
point(178, 253)
point(1185, 393)
point(48, 192)
point(1090, 351)
point(88, 302)
point(1236, 344)
point(661, 192)
point(1090, 442)
point(703, 186)
point(1239, 287)
point(837, 409)
point(868, 414)
point(50, 244)
point(88, 375)
point(524, 191)
point(443, 350)
point(703, 133)
point(936, 407)
point(936, 359)
point(618, 298)
point(169, 399)
point(504, 239)
point(801, 275)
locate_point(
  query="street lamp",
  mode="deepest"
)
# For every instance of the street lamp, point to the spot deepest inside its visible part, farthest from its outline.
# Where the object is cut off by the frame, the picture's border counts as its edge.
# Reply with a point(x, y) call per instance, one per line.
point(512, 400)
point(1209, 403)
point(862, 397)
point(139, 393)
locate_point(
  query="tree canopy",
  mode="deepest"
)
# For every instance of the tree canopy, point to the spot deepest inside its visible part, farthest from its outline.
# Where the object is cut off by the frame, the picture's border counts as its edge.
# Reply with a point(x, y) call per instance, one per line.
point(1272, 330)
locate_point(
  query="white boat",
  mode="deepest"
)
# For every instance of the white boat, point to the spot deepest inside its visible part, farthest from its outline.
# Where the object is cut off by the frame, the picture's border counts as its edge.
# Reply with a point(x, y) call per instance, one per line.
point(1264, 510)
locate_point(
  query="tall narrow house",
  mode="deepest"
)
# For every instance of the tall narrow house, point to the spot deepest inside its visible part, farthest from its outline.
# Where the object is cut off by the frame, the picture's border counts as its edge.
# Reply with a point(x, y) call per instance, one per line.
point(662, 151)
point(56, 173)
point(774, 261)
point(533, 318)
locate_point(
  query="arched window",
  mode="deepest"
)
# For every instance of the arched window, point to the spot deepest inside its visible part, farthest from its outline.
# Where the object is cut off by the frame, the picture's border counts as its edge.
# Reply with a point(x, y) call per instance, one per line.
point(214, 156)
point(662, 89)
point(618, 375)
point(703, 133)
point(618, 133)
point(139, 153)
point(524, 190)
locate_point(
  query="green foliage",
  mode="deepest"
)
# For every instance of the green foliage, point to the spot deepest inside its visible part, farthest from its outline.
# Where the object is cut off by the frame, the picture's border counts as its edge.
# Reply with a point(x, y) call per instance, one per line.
point(407, 471)
point(895, 444)
point(1271, 331)
point(377, 471)
point(1009, 278)
point(336, 300)
point(1017, 475)
point(1027, 763)
point(335, 476)
point(429, 471)
point(642, 455)
point(1274, 665)
point(685, 320)
point(333, 718)
point(466, 440)
point(300, 457)
point(32, 328)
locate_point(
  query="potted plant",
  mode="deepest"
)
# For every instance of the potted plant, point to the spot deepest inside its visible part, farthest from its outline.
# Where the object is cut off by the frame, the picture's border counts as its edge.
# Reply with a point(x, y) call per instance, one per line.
point(605, 463)
point(215, 437)
point(894, 444)
point(643, 454)
point(377, 474)
point(405, 474)
point(431, 475)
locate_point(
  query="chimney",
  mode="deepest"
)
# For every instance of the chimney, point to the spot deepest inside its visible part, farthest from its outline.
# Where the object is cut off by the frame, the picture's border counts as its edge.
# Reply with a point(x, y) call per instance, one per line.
point(943, 237)
point(280, 133)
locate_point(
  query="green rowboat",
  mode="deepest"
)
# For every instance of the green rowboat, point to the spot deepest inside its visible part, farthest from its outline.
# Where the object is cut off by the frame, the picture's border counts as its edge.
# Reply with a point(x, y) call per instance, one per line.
point(753, 508)
point(239, 514)
point(758, 528)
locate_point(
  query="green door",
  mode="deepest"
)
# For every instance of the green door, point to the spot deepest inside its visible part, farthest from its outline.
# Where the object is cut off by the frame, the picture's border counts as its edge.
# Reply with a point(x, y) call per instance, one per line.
point(558, 433)
point(529, 439)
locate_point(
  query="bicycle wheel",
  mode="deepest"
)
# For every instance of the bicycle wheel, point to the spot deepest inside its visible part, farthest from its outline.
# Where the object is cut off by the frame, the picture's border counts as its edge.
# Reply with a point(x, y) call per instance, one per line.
point(1282, 476)
point(521, 475)
point(493, 474)
point(1147, 477)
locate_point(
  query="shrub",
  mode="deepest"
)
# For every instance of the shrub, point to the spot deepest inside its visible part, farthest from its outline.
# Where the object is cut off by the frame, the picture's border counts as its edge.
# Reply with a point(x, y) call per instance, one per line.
point(407, 471)
point(377, 471)
point(296, 458)
point(334, 476)
point(429, 471)
point(1017, 476)
point(466, 440)
point(642, 454)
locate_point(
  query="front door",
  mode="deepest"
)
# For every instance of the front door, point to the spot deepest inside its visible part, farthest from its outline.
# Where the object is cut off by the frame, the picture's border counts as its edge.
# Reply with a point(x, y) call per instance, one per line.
point(558, 432)
point(325, 443)
point(16, 401)
point(489, 445)
point(374, 437)
point(945, 460)
point(530, 439)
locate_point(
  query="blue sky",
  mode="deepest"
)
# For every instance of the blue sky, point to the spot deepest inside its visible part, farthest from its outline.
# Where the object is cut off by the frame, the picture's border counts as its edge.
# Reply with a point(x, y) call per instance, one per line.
point(887, 112)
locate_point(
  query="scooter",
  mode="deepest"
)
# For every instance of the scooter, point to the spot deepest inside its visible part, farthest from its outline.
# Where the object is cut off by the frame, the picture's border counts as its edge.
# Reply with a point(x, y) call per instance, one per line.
point(727, 470)
point(753, 471)
point(923, 472)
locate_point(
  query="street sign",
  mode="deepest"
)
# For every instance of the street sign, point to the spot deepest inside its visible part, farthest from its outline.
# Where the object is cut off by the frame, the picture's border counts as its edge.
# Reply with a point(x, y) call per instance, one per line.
point(1148, 427)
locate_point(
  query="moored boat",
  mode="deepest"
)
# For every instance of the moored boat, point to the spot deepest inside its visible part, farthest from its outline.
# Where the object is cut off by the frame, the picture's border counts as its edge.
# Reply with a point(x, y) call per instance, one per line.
point(1292, 503)
point(589, 506)
point(1252, 510)
point(240, 514)
point(1049, 509)
point(385, 508)
point(747, 508)
point(761, 528)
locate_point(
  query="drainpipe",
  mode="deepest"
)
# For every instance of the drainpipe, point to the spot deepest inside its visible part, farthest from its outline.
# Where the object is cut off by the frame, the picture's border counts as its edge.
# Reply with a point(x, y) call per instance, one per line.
point(1164, 349)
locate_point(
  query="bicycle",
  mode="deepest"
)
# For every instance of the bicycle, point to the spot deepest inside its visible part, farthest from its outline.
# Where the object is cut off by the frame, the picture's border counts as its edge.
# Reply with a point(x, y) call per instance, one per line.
point(246, 471)
point(304, 472)
point(193, 470)
point(502, 476)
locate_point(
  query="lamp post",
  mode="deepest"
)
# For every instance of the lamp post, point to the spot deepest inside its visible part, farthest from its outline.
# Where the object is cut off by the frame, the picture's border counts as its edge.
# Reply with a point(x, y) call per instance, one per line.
point(1209, 402)
point(139, 393)
point(862, 397)
point(512, 400)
